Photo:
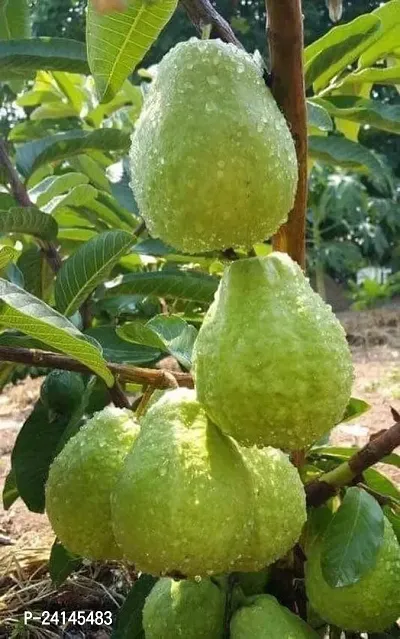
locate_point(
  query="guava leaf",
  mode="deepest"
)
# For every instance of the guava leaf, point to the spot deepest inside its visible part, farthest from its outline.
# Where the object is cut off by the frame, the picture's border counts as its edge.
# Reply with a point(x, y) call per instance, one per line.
point(185, 285)
point(129, 620)
point(352, 540)
point(120, 351)
point(62, 563)
point(355, 408)
point(10, 490)
point(28, 220)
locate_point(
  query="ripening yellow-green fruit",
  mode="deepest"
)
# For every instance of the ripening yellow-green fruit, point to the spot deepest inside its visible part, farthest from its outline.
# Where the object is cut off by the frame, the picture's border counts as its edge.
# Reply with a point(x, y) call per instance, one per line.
point(80, 481)
point(213, 162)
point(264, 618)
point(190, 500)
point(372, 604)
point(271, 361)
point(186, 608)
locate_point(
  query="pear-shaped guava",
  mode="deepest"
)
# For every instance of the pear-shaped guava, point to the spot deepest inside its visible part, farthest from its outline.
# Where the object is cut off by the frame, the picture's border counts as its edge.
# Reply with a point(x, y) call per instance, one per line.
point(264, 618)
point(370, 605)
point(185, 608)
point(213, 162)
point(271, 361)
point(190, 500)
point(81, 478)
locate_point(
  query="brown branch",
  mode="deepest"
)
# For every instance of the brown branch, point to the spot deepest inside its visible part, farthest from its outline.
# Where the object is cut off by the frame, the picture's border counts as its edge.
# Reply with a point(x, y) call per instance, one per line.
point(320, 490)
point(21, 196)
point(285, 39)
point(203, 13)
point(118, 396)
point(158, 378)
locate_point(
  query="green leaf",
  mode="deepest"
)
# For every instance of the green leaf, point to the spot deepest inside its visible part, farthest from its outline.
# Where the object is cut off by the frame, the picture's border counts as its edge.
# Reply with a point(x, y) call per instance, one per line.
point(394, 519)
point(117, 42)
point(80, 195)
point(62, 563)
point(76, 235)
point(28, 220)
point(356, 109)
point(185, 285)
point(20, 59)
point(318, 521)
point(381, 484)
point(169, 334)
point(90, 265)
point(37, 273)
point(318, 117)
point(34, 450)
point(373, 75)
point(119, 351)
point(7, 255)
point(53, 111)
point(332, 53)
point(339, 151)
point(61, 146)
point(10, 490)
point(355, 408)
point(14, 19)
point(22, 311)
point(129, 620)
point(54, 186)
point(389, 15)
point(352, 540)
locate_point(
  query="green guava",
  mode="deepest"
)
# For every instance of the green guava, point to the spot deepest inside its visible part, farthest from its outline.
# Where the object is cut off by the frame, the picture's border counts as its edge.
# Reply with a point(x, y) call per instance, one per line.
point(188, 609)
point(190, 500)
point(271, 361)
point(370, 605)
point(62, 391)
point(212, 160)
point(81, 479)
point(265, 618)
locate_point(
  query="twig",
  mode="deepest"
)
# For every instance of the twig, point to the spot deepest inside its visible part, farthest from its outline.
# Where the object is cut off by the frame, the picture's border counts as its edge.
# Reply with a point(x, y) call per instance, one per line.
point(118, 396)
point(320, 490)
point(21, 196)
point(285, 39)
point(158, 378)
point(203, 13)
point(141, 227)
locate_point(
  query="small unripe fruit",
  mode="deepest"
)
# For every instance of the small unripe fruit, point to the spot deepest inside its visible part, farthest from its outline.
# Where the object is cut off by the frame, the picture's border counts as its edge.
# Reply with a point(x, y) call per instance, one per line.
point(265, 618)
point(371, 604)
point(81, 479)
point(187, 609)
point(190, 500)
point(62, 391)
point(271, 361)
point(213, 162)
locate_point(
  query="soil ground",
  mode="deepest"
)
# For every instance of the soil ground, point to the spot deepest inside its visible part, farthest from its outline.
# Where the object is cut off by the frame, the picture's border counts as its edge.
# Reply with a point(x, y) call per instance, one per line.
point(25, 538)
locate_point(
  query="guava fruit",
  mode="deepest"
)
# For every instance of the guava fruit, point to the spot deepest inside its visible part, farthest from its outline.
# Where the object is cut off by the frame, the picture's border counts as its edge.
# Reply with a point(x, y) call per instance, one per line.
point(213, 163)
point(271, 361)
point(62, 391)
point(185, 608)
point(81, 478)
point(265, 618)
point(189, 500)
point(370, 605)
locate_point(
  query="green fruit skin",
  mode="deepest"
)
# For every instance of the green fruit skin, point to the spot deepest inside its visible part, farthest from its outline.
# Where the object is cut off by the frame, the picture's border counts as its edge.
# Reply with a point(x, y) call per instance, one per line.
point(370, 605)
point(265, 618)
point(189, 501)
point(213, 162)
point(62, 391)
point(271, 361)
point(188, 609)
point(81, 478)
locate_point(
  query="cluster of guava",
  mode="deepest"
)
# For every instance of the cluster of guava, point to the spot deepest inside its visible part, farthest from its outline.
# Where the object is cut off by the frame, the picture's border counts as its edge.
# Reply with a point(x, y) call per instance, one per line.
point(203, 487)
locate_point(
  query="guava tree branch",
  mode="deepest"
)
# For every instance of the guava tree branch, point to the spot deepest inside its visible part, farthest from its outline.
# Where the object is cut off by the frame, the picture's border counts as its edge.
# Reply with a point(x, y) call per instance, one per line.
point(285, 40)
point(157, 378)
point(202, 13)
point(21, 196)
point(320, 490)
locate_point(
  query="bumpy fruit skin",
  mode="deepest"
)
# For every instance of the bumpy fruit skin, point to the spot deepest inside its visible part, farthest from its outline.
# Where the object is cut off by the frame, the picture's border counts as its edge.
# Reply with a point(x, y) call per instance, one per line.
point(81, 478)
point(213, 162)
point(189, 499)
point(271, 361)
point(62, 391)
point(370, 605)
point(187, 609)
point(265, 618)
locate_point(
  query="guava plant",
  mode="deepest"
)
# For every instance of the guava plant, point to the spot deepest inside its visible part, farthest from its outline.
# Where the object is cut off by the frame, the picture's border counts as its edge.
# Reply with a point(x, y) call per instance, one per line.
point(211, 473)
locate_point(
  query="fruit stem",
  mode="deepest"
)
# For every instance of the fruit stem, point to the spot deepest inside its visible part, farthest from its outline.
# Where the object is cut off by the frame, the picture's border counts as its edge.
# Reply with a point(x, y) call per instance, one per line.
point(285, 40)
